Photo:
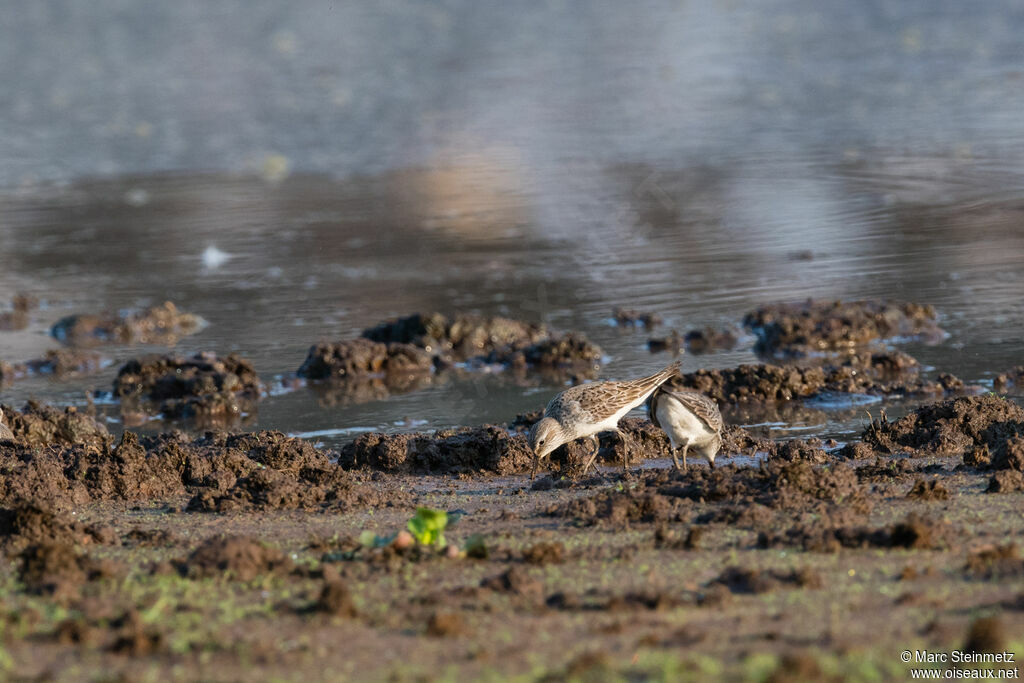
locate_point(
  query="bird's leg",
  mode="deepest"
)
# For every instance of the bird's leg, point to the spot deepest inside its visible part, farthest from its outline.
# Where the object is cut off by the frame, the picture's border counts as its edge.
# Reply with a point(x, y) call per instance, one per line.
point(625, 449)
point(686, 447)
point(675, 458)
point(596, 444)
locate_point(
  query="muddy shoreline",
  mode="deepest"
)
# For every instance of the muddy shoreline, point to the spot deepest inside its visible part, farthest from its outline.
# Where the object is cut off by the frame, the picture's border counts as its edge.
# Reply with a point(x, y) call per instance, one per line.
point(792, 559)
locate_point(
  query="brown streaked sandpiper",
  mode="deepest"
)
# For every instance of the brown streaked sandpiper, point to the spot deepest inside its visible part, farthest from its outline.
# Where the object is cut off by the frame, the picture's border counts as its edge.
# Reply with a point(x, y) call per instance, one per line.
point(691, 420)
point(585, 410)
point(5, 432)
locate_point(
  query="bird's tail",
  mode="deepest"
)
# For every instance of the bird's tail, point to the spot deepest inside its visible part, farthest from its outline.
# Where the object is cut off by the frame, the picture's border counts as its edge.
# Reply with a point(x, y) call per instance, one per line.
point(647, 385)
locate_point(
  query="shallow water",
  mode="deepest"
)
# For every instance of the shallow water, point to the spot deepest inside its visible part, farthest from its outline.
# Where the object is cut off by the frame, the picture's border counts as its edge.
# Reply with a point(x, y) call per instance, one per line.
point(548, 164)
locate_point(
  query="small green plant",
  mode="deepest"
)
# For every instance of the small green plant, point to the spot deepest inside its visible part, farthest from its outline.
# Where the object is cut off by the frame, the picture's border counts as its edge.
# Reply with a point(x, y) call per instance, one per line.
point(427, 527)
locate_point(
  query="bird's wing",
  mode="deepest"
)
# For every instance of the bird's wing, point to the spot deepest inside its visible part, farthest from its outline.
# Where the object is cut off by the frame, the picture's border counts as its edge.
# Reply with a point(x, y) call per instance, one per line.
point(700, 405)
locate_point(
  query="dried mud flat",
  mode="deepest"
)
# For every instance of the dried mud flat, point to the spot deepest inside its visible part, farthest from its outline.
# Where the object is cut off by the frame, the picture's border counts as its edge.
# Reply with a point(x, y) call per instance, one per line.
point(244, 555)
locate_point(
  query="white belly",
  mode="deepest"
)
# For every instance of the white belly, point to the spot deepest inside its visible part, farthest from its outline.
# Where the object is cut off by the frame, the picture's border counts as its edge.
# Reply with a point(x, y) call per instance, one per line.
point(682, 426)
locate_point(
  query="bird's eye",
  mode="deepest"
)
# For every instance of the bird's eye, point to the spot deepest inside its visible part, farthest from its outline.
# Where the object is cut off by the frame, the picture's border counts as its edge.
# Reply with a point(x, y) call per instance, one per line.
point(540, 442)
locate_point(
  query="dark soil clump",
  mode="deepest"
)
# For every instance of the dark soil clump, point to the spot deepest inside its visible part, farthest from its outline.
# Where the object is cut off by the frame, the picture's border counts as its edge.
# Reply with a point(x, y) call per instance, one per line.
point(236, 557)
point(742, 580)
point(545, 553)
point(1014, 377)
point(261, 470)
point(458, 339)
point(515, 581)
point(28, 523)
point(336, 600)
point(628, 317)
point(878, 374)
point(43, 425)
point(491, 340)
point(203, 386)
point(18, 317)
point(928, 490)
point(61, 363)
point(58, 569)
point(915, 532)
point(955, 427)
point(359, 357)
point(1006, 481)
point(699, 341)
point(446, 624)
point(668, 496)
point(999, 562)
point(987, 634)
point(833, 325)
point(163, 324)
point(487, 448)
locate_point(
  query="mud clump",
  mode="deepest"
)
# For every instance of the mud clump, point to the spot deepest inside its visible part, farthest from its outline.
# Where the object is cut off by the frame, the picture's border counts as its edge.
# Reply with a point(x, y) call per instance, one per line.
point(545, 553)
point(446, 624)
point(987, 634)
point(628, 317)
point(810, 451)
point(163, 324)
point(668, 496)
point(203, 386)
point(516, 581)
point(68, 363)
point(914, 533)
point(488, 448)
point(241, 558)
point(267, 470)
point(928, 490)
point(568, 353)
point(954, 427)
point(741, 580)
point(619, 508)
point(18, 317)
point(43, 425)
point(704, 340)
point(222, 472)
point(489, 340)
point(29, 523)
point(336, 600)
point(998, 562)
point(833, 325)
point(458, 339)
point(359, 357)
point(1014, 377)
point(60, 363)
point(58, 569)
point(878, 374)
point(1006, 481)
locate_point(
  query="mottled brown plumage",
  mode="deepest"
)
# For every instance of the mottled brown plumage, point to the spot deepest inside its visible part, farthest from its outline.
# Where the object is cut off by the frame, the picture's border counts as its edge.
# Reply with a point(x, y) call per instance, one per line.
point(588, 409)
point(5, 431)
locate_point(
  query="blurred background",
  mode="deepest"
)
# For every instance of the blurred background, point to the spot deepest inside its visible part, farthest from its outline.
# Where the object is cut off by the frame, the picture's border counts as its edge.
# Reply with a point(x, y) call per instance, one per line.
point(294, 172)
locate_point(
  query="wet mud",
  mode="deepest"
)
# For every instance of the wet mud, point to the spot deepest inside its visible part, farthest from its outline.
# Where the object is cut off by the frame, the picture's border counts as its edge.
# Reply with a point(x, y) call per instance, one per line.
point(419, 343)
point(19, 316)
point(801, 328)
point(215, 473)
point(628, 317)
point(986, 431)
point(205, 387)
point(59, 363)
point(163, 324)
point(115, 533)
point(881, 374)
point(705, 340)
